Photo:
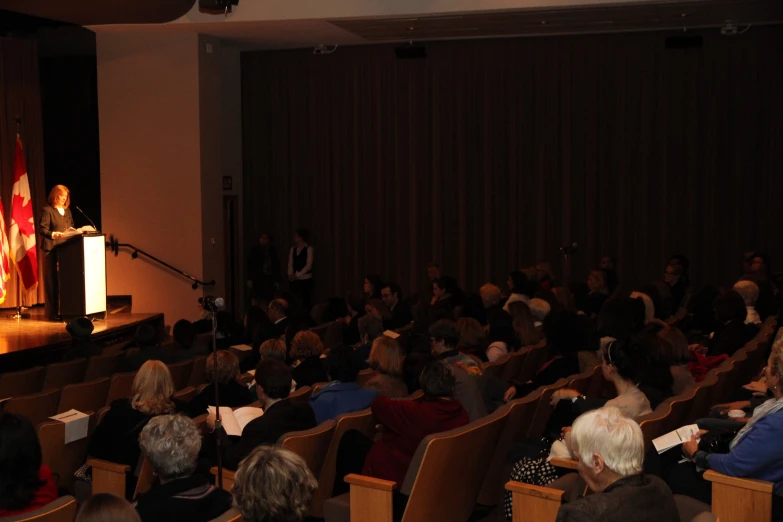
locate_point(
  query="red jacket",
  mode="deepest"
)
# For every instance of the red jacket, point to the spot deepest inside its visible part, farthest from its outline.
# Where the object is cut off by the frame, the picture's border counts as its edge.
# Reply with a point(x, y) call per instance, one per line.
point(45, 494)
point(406, 423)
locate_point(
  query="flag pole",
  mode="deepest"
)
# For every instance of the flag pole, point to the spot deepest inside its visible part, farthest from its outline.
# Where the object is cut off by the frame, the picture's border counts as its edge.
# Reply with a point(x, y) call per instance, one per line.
point(19, 288)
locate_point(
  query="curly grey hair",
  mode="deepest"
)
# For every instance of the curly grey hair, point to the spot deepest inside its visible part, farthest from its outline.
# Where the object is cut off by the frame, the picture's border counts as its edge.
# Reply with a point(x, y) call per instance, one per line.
point(273, 484)
point(171, 443)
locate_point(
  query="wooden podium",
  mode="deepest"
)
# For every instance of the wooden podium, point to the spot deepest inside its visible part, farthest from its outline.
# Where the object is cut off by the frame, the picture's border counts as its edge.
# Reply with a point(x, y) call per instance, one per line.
point(81, 275)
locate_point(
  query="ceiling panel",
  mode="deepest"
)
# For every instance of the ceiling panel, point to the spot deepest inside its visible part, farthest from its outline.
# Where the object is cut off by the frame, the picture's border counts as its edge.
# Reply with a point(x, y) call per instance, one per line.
point(97, 12)
point(608, 18)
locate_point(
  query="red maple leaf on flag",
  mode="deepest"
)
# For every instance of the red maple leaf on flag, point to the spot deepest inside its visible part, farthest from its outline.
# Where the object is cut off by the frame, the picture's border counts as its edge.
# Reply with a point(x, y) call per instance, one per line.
point(25, 227)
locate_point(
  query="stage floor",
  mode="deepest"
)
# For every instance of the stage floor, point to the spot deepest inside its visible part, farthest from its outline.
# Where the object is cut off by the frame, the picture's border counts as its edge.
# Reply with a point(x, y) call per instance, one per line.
point(20, 338)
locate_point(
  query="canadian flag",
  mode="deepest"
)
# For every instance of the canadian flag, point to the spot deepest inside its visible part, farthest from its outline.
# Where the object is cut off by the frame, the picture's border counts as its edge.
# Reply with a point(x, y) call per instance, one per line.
point(5, 268)
point(22, 236)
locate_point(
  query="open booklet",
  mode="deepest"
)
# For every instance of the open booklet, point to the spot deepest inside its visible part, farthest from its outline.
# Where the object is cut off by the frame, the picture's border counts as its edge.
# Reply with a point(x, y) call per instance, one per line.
point(234, 421)
point(77, 231)
point(675, 438)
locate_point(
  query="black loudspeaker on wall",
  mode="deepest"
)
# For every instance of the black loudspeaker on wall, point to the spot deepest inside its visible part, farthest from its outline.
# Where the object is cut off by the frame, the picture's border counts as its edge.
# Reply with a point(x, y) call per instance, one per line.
point(216, 6)
point(685, 41)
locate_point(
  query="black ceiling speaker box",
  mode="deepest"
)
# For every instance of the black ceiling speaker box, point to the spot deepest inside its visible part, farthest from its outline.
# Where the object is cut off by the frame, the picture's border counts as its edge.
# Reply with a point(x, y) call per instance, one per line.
point(216, 6)
point(685, 41)
point(410, 52)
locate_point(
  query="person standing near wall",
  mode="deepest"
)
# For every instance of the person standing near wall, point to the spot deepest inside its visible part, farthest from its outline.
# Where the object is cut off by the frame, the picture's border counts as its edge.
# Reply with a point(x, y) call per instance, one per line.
point(300, 267)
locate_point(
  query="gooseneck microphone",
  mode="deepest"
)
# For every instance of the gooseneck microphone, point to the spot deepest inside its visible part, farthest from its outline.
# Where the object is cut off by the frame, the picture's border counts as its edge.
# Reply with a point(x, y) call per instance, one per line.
point(85, 215)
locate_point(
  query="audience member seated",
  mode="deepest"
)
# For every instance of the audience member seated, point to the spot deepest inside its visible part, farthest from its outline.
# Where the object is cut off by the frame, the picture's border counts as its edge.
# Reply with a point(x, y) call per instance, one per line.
point(444, 338)
point(105, 507)
point(255, 322)
point(522, 322)
point(492, 298)
point(342, 394)
point(116, 438)
point(472, 307)
point(566, 335)
point(273, 485)
point(754, 452)
point(609, 265)
point(80, 329)
point(25, 484)
point(146, 339)
point(233, 394)
point(732, 332)
point(609, 449)
point(386, 358)
point(184, 334)
point(759, 271)
point(171, 443)
point(278, 314)
point(598, 292)
point(502, 340)
point(412, 366)
point(519, 289)
point(401, 316)
point(679, 354)
point(649, 306)
point(673, 277)
point(472, 338)
point(540, 310)
point(442, 303)
point(273, 384)
point(749, 291)
point(405, 424)
point(228, 332)
point(307, 349)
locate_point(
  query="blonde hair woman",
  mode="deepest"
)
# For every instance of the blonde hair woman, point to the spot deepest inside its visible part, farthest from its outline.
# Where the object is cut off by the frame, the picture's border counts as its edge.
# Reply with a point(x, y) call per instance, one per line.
point(386, 357)
point(116, 438)
point(524, 326)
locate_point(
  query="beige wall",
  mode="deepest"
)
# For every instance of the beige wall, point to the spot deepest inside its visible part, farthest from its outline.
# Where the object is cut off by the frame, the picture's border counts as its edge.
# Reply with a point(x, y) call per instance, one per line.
point(161, 165)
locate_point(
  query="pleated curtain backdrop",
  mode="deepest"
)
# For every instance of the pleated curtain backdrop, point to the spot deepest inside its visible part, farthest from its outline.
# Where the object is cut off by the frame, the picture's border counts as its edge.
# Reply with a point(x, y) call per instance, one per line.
point(489, 155)
point(20, 96)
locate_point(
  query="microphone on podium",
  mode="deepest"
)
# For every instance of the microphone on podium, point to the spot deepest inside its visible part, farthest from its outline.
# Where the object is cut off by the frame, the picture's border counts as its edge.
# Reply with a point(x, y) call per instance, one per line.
point(569, 248)
point(88, 217)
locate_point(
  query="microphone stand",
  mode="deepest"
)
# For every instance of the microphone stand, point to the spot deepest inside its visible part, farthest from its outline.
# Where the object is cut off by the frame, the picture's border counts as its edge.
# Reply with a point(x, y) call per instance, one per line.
point(218, 424)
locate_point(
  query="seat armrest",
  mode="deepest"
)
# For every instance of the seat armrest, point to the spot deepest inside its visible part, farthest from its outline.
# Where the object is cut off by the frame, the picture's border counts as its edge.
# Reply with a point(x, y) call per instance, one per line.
point(761, 486)
point(563, 463)
point(370, 482)
point(111, 467)
point(535, 491)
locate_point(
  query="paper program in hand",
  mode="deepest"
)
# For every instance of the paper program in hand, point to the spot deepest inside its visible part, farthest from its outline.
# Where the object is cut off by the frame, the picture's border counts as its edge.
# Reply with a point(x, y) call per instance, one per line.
point(675, 438)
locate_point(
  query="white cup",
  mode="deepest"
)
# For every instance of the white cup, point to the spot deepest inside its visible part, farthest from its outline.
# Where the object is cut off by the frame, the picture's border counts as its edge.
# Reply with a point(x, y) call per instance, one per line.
point(736, 414)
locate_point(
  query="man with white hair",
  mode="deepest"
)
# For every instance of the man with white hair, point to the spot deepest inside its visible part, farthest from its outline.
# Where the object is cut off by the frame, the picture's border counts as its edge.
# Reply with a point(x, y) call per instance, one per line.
point(539, 309)
point(750, 294)
point(609, 449)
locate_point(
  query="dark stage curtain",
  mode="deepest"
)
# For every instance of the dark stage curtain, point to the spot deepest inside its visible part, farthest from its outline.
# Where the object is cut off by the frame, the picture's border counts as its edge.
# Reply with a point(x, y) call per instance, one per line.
point(488, 155)
point(20, 96)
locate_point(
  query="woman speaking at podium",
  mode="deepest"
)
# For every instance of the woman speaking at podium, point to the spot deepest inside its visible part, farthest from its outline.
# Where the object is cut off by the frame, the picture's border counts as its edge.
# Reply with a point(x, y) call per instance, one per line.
point(56, 219)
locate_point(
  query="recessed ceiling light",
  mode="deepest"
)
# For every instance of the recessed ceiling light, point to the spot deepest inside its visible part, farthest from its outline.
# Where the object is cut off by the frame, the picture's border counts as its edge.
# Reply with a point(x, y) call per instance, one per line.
point(544, 22)
point(411, 28)
point(684, 15)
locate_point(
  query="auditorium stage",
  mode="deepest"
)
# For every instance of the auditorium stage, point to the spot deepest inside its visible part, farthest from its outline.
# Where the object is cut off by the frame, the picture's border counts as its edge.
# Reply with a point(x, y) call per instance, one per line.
point(35, 341)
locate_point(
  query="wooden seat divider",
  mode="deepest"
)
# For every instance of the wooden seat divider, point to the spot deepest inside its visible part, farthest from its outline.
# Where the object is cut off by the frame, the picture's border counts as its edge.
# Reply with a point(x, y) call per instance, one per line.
point(736, 498)
point(534, 503)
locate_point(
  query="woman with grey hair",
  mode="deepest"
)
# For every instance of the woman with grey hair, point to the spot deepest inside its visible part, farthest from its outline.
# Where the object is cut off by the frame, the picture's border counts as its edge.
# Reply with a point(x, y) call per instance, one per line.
point(273, 484)
point(171, 443)
point(609, 449)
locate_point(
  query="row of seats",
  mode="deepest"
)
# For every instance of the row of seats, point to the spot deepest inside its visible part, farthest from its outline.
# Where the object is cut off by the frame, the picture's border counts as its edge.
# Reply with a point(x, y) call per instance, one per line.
point(733, 498)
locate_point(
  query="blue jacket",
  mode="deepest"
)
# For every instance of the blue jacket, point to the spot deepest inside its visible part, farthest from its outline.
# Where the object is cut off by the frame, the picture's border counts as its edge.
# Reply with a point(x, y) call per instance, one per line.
point(337, 398)
point(759, 455)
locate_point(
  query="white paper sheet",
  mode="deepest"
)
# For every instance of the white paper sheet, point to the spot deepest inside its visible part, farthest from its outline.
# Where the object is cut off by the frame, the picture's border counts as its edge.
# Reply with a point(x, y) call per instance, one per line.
point(675, 438)
point(242, 347)
point(235, 421)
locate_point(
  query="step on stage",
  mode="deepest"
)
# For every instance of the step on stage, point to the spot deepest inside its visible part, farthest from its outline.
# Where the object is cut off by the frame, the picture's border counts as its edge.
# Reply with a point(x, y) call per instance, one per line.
point(38, 342)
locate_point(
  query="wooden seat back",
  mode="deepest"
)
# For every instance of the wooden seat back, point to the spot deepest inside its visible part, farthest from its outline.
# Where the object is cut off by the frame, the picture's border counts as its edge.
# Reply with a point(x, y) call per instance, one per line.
point(61, 510)
point(232, 515)
point(300, 396)
point(497, 368)
point(703, 398)
point(536, 358)
point(198, 374)
point(534, 503)
point(180, 373)
point(311, 444)
point(87, 396)
point(362, 421)
point(544, 409)
point(723, 371)
point(450, 465)
point(739, 498)
point(121, 387)
point(317, 387)
point(185, 394)
point(365, 376)
point(26, 382)
point(100, 366)
point(679, 408)
point(62, 374)
point(654, 424)
point(37, 408)
point(521, 412)
point(583, 382)
point(515, 363)
point(64, 459)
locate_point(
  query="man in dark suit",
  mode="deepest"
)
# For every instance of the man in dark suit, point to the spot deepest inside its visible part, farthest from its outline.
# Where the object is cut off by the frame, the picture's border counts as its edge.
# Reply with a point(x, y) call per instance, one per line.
point(401, 313)
point(278, 314)
point(273, 384)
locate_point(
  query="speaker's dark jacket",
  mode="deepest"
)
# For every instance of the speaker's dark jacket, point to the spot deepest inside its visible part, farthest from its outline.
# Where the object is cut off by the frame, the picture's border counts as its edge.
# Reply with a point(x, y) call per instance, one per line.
point(52, 221)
